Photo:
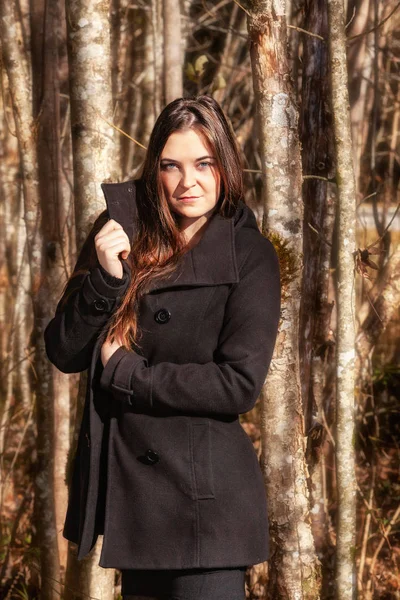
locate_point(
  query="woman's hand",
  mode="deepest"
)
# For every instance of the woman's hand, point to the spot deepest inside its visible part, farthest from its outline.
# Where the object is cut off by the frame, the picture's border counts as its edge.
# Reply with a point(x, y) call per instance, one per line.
point(110, 242)
point(108, 349)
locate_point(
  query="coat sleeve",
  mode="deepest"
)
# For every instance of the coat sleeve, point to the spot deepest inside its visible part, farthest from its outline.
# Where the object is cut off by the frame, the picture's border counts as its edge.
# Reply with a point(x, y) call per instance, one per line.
point(85, 307)
point(231, 383)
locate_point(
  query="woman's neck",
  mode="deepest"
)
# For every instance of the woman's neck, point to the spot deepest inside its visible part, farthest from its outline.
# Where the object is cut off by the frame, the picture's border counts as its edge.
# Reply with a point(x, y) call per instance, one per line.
point(193, 229)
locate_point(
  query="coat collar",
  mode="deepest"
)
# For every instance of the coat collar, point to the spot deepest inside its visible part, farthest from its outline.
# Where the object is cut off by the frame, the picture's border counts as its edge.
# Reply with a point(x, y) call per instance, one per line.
point(211, 262)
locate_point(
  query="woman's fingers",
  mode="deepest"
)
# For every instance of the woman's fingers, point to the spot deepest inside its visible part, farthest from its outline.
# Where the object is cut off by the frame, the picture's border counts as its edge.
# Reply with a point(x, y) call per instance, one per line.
point(106, 242)
point(110, 242)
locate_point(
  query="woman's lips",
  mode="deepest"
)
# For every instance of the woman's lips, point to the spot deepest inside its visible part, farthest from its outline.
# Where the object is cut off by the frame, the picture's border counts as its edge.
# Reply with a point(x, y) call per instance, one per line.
point(188, 198)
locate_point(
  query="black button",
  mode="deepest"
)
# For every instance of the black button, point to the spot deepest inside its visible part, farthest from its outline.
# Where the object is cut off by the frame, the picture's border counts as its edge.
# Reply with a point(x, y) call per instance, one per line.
point(162, 316)
point(152, 456)
point(100, 304)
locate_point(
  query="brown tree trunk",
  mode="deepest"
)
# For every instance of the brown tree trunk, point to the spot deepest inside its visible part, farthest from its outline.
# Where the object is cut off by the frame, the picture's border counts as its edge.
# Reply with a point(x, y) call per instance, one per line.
point(18, 71)
point(45, 27)
point(315, 310)
point(294, 567)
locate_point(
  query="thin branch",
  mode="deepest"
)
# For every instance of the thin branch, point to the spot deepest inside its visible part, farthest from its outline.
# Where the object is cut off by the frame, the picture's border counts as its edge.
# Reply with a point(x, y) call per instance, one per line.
point(319, 235)
point(319, 177)
point(386, 228)
point(307, 32)
point(353, 37)
point(243, 8)
point(122, 131)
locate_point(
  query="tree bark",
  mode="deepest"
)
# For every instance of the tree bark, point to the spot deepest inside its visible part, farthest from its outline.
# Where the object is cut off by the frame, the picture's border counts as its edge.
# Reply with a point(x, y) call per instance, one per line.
point(45, 27)
point(93, 140)
point(294, 571)
point(157, 41)
point(173, 67)
point(319, 219)
point(95, 160)
point(18, 70)
point(316, 161)
point(345, 337)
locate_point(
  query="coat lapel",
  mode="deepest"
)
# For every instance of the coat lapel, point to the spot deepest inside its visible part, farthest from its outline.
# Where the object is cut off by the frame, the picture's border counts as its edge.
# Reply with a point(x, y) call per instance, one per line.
point(211, 262)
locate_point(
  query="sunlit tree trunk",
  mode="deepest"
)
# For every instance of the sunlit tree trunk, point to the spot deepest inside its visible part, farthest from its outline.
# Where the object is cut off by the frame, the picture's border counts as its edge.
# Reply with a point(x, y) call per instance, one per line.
point(18, 71)
point(294, 567)
point(360, 60)
point(158, 47)
point(95, 159)
point(345, 338)
point(148, 84)
point(173, 66)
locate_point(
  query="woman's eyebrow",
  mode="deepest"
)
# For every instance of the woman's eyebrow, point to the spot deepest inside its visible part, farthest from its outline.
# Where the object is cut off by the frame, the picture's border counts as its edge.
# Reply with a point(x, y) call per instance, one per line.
point(177, 161)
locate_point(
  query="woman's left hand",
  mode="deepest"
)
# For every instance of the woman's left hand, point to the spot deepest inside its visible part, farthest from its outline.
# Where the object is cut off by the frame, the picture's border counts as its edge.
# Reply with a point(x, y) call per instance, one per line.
point(108, 349)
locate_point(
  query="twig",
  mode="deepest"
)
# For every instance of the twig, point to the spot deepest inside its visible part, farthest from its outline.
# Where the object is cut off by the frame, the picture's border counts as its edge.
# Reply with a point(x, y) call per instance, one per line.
point(386, 228)
point(319, 235)
point(351, 19)
point(319, 177)
point(380, 545)
point(307, 32)
point(122, 131)
point(243, 8)
point(353, 37)
point(366, 530)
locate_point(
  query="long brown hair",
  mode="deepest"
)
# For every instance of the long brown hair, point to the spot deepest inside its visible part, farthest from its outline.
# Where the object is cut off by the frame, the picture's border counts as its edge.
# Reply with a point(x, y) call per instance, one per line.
point(158, 242)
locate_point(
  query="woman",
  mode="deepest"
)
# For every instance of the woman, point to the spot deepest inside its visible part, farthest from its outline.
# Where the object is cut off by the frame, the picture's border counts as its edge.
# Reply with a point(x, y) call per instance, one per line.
point(173, 306)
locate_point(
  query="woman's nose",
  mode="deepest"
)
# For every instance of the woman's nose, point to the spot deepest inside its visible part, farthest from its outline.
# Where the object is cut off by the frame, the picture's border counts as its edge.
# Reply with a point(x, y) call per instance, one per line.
point(188, 178)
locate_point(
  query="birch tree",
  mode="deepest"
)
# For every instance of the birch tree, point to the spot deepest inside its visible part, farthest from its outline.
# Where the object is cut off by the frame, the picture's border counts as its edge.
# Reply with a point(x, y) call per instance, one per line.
point(345, 297)
point(95, 159)
point(294, 571)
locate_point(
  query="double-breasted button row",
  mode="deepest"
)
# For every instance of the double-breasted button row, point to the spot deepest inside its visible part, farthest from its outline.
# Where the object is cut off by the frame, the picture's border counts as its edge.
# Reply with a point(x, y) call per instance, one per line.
point(162, 316)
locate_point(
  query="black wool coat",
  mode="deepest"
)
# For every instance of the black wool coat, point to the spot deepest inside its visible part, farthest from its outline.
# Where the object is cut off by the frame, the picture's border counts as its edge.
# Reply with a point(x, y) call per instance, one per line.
point(163, 467)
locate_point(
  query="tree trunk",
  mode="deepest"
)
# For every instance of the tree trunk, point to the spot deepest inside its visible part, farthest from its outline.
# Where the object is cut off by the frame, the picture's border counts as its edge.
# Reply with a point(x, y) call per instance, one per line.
point(173, 67)
point(18, 71)
point(319, 221)
point(45, 27)
point(93, 140)
point(95, 160)
point(346, 242)
point(316, 161)
point(157, 41)
point(148, 84)
point(86, 575)
point(294, 571)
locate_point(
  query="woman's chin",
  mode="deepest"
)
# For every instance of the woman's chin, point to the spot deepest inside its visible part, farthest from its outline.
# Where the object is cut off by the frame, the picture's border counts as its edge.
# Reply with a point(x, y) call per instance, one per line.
point(192, 212)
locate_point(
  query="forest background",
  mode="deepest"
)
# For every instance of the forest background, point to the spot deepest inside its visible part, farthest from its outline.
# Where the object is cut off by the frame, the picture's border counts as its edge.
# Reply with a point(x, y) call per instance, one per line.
point(82, 83)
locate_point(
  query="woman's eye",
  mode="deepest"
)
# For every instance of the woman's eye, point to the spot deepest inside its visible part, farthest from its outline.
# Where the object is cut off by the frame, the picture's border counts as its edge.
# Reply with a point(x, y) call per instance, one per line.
point(207, 164)
point(166, 166)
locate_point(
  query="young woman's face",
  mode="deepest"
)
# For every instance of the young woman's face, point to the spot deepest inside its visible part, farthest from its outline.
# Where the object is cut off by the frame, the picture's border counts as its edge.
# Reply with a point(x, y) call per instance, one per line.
point(189, 175)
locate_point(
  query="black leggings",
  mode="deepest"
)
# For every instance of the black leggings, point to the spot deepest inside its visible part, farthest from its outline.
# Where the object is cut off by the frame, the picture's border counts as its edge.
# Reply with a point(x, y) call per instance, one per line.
point(185, 584)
